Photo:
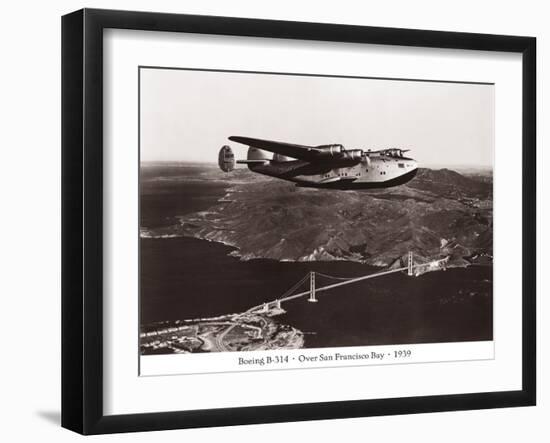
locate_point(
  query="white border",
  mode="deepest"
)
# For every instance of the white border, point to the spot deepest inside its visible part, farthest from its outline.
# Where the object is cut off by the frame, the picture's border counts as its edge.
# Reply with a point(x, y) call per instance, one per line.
point(125, 392)
point(202, 363)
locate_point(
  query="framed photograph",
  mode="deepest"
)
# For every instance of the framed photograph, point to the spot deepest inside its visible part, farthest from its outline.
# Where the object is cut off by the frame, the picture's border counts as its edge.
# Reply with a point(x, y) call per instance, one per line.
point(269, 221)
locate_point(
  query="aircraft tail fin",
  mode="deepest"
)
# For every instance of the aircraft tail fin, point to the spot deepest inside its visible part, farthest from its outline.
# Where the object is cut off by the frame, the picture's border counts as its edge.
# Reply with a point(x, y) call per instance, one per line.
point(226, 159)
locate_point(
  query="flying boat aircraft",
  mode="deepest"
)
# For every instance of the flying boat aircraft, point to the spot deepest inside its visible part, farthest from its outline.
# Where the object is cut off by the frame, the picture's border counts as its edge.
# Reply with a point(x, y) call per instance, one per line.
point(325, 166)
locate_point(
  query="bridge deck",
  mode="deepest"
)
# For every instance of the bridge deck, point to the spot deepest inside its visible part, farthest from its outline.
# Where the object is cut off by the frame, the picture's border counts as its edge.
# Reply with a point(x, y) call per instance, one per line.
point(347, 282)
point(342, 283)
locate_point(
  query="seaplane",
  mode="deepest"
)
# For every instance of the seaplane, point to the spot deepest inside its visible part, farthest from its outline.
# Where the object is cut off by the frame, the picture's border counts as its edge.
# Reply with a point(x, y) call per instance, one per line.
point(325, 166)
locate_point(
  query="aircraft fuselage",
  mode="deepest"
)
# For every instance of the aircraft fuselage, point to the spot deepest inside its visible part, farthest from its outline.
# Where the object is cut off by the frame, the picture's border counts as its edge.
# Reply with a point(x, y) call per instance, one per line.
point(376, 172)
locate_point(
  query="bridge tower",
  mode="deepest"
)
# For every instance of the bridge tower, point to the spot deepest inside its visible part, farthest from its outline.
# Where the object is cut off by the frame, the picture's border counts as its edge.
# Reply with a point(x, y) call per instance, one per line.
point(410, 264)
point(312, 298)
point(278, 304)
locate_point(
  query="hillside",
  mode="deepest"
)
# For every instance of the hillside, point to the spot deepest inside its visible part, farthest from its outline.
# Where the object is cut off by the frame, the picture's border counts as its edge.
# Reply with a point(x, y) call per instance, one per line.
point(440, 212)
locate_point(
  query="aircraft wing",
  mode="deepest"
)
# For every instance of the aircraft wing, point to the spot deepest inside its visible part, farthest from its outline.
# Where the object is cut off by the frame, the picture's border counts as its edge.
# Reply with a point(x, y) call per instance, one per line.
point(300, 152)
point(327, 182)
point(337, 180)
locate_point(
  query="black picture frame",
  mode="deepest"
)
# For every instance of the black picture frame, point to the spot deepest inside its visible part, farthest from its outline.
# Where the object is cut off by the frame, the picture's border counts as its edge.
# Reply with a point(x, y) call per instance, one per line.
point(82, 215)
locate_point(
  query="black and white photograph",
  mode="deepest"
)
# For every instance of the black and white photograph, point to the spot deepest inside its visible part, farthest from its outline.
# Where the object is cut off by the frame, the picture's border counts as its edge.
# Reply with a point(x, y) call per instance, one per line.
point(275, 222)
point(284, 211)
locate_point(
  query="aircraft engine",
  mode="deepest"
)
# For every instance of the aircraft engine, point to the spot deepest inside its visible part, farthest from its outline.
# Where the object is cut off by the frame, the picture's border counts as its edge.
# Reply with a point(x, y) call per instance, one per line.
point(226, 159)
point(330, 151)
point(338, 152)
point(354, 154)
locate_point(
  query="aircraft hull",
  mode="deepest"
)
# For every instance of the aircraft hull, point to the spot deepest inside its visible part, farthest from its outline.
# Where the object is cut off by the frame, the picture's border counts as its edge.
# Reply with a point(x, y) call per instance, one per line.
point(350, 186)
point(307, 175)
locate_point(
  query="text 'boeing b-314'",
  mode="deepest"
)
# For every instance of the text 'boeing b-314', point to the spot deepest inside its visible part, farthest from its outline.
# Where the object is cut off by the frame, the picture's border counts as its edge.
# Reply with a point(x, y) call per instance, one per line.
point(325, 166)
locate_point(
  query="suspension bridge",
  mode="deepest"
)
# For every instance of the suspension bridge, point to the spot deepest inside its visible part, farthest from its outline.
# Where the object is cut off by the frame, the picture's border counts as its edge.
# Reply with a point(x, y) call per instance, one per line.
point(412, 269)
point(219, 341)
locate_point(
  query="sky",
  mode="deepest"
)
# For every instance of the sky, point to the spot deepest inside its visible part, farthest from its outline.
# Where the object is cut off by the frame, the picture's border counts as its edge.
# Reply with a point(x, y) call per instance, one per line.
point(188, 115)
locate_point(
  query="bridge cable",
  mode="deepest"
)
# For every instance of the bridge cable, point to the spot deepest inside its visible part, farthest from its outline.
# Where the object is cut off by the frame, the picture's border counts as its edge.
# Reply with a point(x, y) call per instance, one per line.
point(296, 286)
point(334, 278)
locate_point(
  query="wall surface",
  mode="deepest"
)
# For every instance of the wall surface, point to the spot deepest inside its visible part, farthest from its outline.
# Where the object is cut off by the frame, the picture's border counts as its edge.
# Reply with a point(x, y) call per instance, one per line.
point(30, 218)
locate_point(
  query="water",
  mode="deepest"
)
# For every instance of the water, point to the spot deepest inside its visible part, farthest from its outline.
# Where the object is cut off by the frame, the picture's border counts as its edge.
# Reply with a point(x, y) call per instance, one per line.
point(169, 191)
point(184, 278)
